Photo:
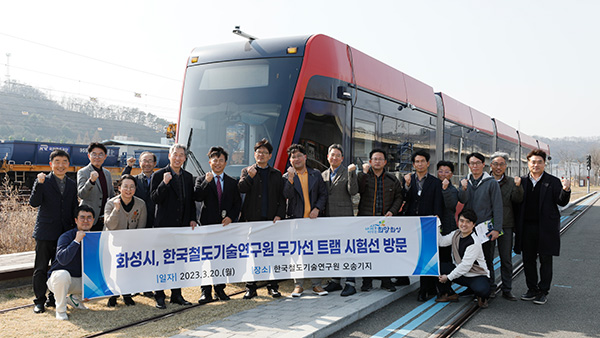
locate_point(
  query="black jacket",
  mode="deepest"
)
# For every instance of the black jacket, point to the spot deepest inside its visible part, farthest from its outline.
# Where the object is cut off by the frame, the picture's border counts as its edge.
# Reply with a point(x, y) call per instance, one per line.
point(231, 201)
point(55, 215)
point(171, 211)
point(252, 187)
point(551, 196)
point(430, 203)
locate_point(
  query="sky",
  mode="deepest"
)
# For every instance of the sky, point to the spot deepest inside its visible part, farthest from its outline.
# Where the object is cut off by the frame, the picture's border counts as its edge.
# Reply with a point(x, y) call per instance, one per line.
point(531, 64)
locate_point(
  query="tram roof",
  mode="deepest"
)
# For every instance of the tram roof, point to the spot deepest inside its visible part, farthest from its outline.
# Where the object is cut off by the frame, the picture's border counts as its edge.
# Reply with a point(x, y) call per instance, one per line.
point(506, 132)
point(527, 141)
point(459, 112)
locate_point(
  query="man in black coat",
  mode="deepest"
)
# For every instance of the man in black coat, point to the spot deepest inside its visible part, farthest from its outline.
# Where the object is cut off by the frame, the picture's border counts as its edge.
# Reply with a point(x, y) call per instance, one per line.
point(56, 196)
point(264, 199)
point(222, 204)
point(538, 224)
point(423, 197)
point(173, 192)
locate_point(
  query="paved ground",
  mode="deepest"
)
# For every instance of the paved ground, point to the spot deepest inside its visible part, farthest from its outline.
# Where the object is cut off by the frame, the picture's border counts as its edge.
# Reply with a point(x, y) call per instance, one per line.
point(307, 316)
point(572, 307)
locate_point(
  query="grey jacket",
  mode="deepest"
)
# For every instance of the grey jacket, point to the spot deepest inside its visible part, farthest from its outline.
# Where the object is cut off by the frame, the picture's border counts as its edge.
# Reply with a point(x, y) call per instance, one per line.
point(91, 194)
point(341, 190)
point(486, 200)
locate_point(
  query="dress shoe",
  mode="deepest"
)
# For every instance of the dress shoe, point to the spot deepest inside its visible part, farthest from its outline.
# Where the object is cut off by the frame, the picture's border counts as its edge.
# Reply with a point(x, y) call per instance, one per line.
point(541, 299)
point(180, 300)
point(423, 296)
point(349, 290)
point(366, 286)
point(388, 285)
point(508, 295)
point(205, 298)
point(445, 298)
point(221, 295)
point(401, 281)
point(128, 300)
point(274, 292)
point(530, 295)
point(149, 294)
point(160, 303)
point(112, 301)
point(332, 286)
point(482, 302)
point(39, 308)
point(50, 302)
point(492, 293)
point(250, 293)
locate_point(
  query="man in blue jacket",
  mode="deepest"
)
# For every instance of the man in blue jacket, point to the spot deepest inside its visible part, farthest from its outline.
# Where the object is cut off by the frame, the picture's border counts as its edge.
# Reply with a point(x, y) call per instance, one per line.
point(56, 196)
point(64, 277)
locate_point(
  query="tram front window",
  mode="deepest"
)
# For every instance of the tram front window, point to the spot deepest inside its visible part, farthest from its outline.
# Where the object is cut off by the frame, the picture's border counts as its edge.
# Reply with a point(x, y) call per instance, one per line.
point(234, 105)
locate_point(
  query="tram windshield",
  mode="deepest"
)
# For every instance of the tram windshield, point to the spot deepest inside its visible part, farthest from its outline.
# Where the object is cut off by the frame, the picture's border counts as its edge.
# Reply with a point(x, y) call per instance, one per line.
point(234, 105)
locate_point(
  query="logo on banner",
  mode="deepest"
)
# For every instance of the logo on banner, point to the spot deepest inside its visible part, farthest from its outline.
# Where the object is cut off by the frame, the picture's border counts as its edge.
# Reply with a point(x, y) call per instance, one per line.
point(381, 228)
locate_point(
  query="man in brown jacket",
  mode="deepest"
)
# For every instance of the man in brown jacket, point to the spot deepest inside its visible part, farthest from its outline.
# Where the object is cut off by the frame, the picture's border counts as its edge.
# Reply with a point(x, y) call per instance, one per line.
point(380, 195)
point(264, 199)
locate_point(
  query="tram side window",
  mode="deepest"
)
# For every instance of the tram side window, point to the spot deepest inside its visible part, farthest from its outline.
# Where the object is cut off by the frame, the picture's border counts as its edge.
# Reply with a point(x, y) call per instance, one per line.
point(513, 155)
point(322, 126)
point(363, 136)
point(400, 139)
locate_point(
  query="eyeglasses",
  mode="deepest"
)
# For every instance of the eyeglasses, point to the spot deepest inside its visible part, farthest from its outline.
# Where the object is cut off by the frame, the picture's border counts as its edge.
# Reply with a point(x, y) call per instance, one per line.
point(85, 218)
point(478, 163)
point(97, 155)
point(498, 164)
point(262, 153)
point(128, 187)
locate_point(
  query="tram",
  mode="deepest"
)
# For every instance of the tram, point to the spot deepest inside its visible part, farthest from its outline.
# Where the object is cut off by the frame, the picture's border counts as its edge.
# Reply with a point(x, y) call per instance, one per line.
point(316, 91)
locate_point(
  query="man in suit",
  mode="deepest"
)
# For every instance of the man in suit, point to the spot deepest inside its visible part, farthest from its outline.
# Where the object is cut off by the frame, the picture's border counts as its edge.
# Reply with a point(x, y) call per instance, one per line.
point(512, 194)
point(423, 197)
point(143, 179)
point(56, 196)
point(172, 189)
point(380, 195)
point(538, 225)
point(306, 196)
point(222, 204)
point(341, 185)
point(264, 200)
point(94, 183)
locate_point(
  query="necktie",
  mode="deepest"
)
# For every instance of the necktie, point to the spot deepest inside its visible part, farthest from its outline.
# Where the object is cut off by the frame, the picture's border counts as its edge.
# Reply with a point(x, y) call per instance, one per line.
point(219, 190)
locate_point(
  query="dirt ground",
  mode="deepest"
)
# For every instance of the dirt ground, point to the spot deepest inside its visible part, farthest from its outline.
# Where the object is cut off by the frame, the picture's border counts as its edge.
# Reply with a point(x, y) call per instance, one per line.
point(99, 317)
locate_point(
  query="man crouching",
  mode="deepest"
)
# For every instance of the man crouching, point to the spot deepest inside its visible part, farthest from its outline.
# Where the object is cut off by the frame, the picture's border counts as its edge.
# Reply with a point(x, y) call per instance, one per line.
point(64, 276)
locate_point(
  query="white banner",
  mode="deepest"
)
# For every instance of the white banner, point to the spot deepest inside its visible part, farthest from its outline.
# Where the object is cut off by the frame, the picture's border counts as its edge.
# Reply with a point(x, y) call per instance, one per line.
point(129, 261)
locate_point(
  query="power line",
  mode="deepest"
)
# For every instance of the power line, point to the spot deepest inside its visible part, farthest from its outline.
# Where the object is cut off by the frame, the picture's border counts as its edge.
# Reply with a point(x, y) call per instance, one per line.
point(91, 58)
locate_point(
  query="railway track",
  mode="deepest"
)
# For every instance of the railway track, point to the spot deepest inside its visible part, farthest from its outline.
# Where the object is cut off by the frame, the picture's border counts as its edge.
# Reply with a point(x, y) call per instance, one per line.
point(446, 330)
point(469, 310)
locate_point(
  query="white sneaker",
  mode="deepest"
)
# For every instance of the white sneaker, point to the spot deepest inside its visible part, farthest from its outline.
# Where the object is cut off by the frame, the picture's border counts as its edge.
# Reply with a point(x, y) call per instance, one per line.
point(75, 302)
point(62, 316)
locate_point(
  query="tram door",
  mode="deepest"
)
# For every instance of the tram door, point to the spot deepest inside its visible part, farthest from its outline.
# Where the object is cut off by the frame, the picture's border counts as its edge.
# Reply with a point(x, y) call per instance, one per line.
point(364, 136)
point(321, 124)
